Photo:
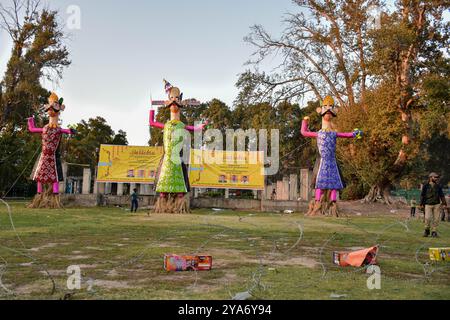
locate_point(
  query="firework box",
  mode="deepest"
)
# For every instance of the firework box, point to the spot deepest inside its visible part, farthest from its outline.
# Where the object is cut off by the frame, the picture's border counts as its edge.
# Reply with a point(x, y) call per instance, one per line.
point(204, 263)
point(173, 262)
point(357, 258)
point(439, 254)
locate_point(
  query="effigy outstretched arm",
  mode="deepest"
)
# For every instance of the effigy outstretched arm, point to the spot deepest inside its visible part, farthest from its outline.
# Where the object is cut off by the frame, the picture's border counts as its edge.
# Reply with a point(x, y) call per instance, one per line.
point(32, 128)
point(197, 128)
point(69, 131)
point(345, 135)
point(154, 123)
point(305, 131)
point(355, 134)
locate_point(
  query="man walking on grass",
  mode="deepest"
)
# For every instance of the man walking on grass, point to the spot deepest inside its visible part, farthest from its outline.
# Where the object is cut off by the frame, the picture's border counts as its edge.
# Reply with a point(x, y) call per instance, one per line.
point(134, 200)
point(431, 198)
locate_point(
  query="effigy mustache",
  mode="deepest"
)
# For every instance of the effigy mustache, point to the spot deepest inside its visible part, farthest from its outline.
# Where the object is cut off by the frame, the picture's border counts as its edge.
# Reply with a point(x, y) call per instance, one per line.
point(174, 103)
point(56, 107)
point(330, 112)
point(53, 109)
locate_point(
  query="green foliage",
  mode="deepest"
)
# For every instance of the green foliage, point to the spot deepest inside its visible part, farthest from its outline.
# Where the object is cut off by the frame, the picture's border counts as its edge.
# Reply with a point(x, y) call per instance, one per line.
point(19, 151)
point(213, 194)
point(120, 139)
point(367, 162)
point(83, 148)
point(433, 114)
point(218, 114)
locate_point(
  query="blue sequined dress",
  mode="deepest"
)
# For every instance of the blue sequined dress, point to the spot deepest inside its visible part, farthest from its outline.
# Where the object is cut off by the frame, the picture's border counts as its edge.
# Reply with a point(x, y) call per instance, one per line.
point(328, 176)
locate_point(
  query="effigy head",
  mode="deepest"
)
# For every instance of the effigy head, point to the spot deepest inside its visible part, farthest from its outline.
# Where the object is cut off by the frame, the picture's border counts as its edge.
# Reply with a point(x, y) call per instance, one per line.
point(175, 97)
point(328, 107)
point(53, 98)
point(55, 105)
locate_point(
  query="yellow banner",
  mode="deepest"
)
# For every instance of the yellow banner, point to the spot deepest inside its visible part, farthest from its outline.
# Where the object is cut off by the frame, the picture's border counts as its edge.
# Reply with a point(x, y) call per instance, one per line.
point(227, 169)
point(128, 164)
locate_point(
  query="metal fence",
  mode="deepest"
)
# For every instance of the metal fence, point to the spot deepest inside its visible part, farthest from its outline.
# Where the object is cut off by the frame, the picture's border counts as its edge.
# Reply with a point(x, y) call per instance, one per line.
point(414, 193)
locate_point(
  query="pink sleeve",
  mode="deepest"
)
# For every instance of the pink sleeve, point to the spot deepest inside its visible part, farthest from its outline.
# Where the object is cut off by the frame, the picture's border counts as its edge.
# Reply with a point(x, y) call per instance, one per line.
point(153, 123)
point(305, 131)
point(66, 131)
point(345, 135)
point(197, 128)
point(32, 128)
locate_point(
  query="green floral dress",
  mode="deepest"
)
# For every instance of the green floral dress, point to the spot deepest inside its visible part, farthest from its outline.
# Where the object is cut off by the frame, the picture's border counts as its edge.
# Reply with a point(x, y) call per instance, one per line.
point(172, 174)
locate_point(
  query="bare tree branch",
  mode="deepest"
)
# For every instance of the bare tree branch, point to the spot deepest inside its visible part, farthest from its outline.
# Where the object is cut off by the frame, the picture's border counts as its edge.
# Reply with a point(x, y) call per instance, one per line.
point(325, 44)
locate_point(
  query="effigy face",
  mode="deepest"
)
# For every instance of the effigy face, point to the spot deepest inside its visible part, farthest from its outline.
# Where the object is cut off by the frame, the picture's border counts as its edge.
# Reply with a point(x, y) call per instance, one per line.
point(52, 113)
point(328, 108)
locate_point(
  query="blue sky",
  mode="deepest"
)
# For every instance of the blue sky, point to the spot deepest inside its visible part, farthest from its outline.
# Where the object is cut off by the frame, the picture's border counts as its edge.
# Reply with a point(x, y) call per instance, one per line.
point(125, 48)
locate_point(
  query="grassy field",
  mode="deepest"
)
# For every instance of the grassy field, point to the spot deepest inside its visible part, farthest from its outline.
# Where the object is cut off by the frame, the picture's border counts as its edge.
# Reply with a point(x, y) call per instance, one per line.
point(273, 256)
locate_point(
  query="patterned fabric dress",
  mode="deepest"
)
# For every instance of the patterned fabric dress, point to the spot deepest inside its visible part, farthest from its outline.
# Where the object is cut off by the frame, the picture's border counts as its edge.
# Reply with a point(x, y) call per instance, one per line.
point(49, 168)
point(328, 177)
point(172, 177)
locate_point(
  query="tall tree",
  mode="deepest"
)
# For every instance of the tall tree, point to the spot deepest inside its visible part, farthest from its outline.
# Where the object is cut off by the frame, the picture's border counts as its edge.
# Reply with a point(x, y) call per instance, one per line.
point(367, 163)
point(83, 148)
point(433, 112)
point(324, 49)
point(412, 39)
point(38, 52)
point(218, 114)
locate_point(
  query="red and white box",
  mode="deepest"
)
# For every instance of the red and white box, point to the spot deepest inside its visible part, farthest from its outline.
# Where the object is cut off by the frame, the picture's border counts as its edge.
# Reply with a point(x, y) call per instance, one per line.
point(173, 262)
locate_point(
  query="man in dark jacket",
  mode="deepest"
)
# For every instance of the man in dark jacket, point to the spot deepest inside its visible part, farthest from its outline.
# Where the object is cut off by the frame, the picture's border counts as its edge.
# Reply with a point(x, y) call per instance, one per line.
point(431, 198)
point(134, 200)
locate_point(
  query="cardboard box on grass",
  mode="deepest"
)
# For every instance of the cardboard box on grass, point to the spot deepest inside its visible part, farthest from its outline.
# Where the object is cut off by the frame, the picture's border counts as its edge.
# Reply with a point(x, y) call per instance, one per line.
point(357, 258)
point(173, 262)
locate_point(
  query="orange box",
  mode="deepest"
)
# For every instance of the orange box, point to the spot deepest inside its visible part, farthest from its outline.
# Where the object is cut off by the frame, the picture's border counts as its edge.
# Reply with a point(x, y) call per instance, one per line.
point(173, 262)
point(357, 258)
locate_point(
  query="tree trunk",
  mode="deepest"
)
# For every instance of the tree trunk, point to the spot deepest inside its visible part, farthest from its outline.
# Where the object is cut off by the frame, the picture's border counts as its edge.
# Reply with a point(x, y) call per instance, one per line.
point(413, 15)
point(380, 192)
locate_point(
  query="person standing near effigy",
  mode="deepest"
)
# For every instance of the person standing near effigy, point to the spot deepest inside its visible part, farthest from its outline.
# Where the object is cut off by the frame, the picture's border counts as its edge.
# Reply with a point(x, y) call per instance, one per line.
point(431, 198)
point(172, 181)
point(49, 169)
point(328, 175)
point(413, 205)
point(134, 200)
